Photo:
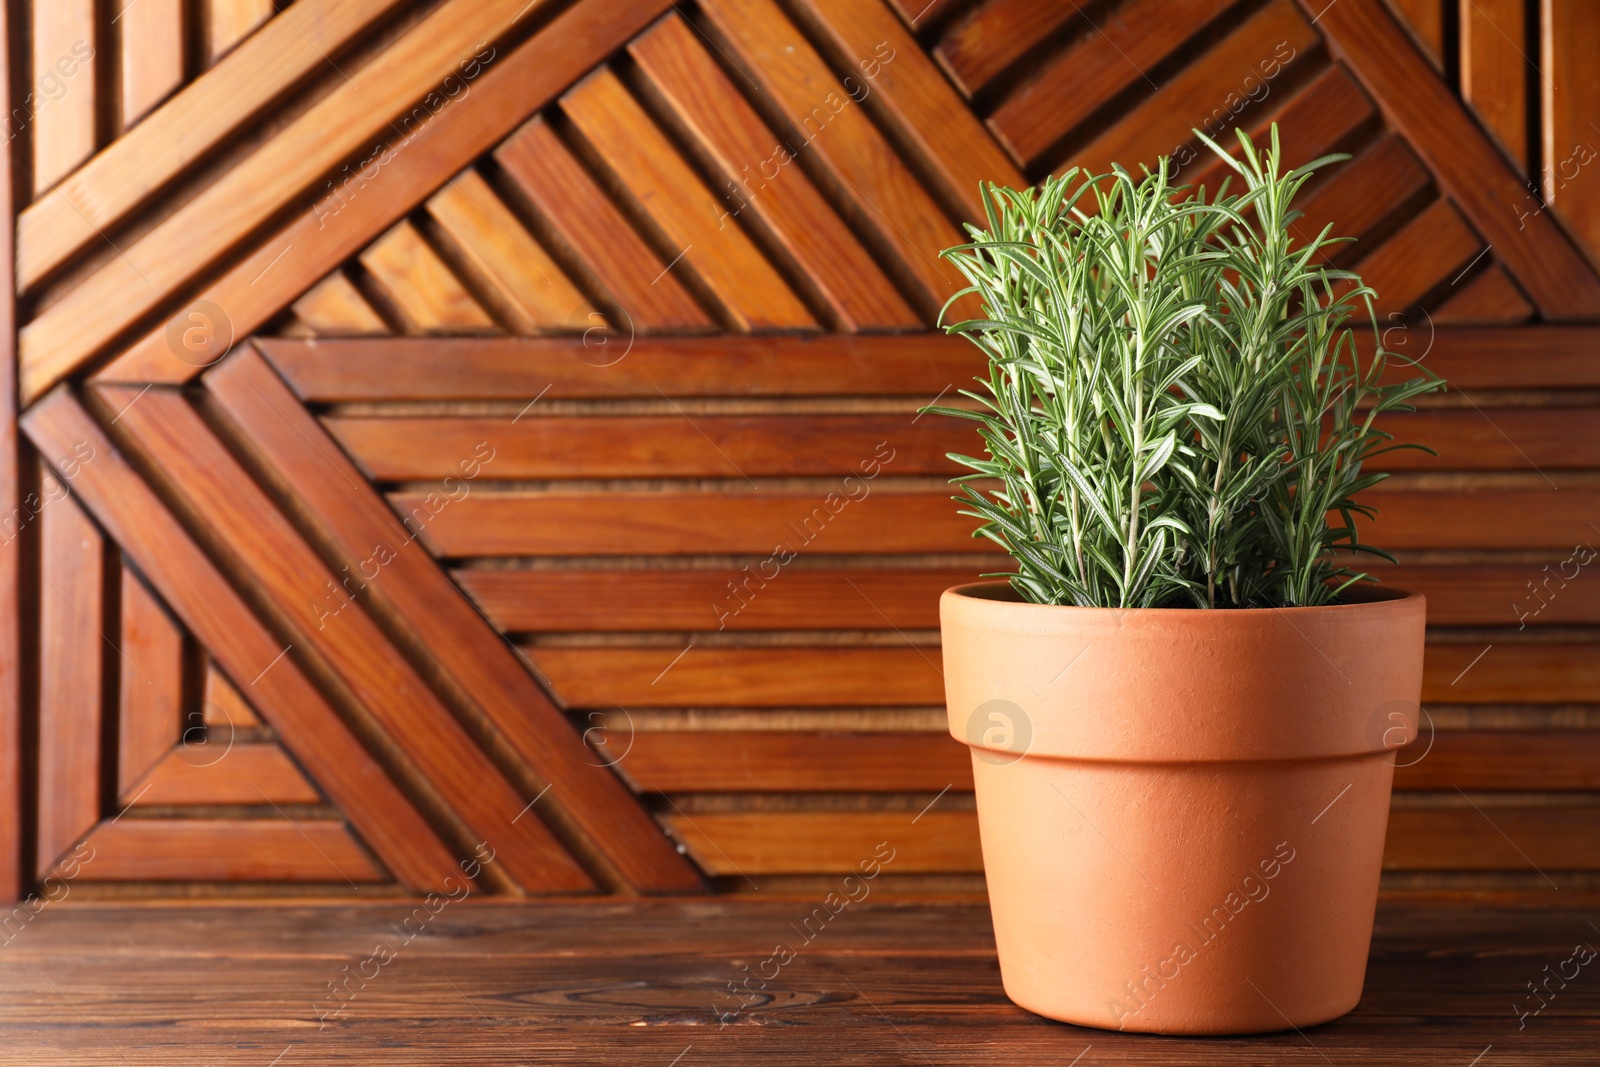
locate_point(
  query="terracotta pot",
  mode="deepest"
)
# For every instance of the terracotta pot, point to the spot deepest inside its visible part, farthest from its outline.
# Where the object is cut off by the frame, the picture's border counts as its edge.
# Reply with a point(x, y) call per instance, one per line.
point(1183, 811)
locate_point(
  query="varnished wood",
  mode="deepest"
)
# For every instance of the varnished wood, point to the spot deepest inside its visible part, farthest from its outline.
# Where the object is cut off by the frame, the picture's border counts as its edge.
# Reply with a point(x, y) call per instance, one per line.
point(1360, 195)
point(1496, 438)
point(1489, 298)
point(334, 307)
point(429, 298)
point(136, 849)
point(152, 56)
point(150, 709)
point(1425, 20)
point(228, 22)
point(14, 809)
point(224, 705)
point(1538, 357)
point(222, 770)
point(996, 34)
point(585, 799)
point(1569, 95)
point(1425, 255)
point(1494, 71)
point(66, 88)
point(209, 608)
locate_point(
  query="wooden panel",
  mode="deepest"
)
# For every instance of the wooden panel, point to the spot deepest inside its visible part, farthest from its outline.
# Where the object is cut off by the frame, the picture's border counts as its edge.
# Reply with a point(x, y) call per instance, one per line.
point(677, 522)
point(1507, 358)
point(64, 75)
point(1467, 166)
point(227, 22)
point(1097, 68)
point(915, 365)
point(514, 269)
point(1569, 38)
point(1512, 673)
point(224, 771)
point(321, 609)
point(507, 90)
point(1426, 253)
point(669, 677)
point(214, 614)
point(1519, 760)
point(997, 34)
point(903, 85)
point(585, 798)
point(842, 143)
point(420, 287)
point(1473, 594)
point(1493, 839)
point(151, 36)
point(14, 806)
point(189, 127)
point(223, 704)
point(1490, 298)
point(225, 212)
point(1271, 40)
point(1361, 194)
point(1494, 71)
point(1425, 20)
point(335, 308)
point(669, 193)
point(1480, 518)
point(728, 598)
point(72, 669)
point(150, 693)
point(784, 204)
point(227, 850)
point(1496, 438)
point(712, 446)
point(574, 206)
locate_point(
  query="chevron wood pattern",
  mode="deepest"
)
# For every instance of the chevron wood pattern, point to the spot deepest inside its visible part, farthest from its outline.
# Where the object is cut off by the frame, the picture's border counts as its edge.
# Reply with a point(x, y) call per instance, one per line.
point(474, 428)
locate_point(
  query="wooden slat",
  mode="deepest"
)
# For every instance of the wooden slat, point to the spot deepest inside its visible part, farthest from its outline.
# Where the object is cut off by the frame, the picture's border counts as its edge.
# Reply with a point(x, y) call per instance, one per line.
point(1361, 194)
point(420, 287)
point(981, 46)
point(1496, 438)
point(580, 213)
point(15, 808)
point(508, 89)
point(913, 365)
point(513, 268)
point(1494, 71)
point(601, 446)
point(667, 677)
point(151, 38)
point(1512, 673)
point(150, 692)
point(1277, 35)
point(1474, 594)
point(356, 112)
point(925, 14)
point(1516, 357)
point(72, 670)
point(927, 114)
point(227, 850)
point(842, 142)
point(1467, 166)
point(334, 307)
point(676, 522)
point(1488, 298)
point(584, 798)
point(224, 771)
point(1425, 20)
point(667, 191)
point(1425, 254)
point(320, 607)
point(1471, 518)
point(219, 620)
point(591, 599)
point(783, 761)
point(224, 705)
point(757, 843)
point(784, 203)
point(66, 90)
point(1100, 66)
point(1569, 36)
point(227, 22)
point(187, 128)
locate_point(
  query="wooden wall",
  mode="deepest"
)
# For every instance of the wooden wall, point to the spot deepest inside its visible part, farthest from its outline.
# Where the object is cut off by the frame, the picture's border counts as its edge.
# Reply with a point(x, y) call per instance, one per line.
point(480, 439)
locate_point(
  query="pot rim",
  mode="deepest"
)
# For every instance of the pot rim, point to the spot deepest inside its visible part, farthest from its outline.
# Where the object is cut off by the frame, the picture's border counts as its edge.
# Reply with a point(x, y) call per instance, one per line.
point(1371, 597)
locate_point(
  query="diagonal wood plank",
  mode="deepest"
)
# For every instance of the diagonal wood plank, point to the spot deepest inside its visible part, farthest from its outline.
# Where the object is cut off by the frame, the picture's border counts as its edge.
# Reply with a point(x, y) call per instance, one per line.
point(193, 123)
point(1466, 164)
point(420, 287)
point(334, 307)
point(216, 616)
point(322, 610)
point(419, 597)
point(980, 47)
point(502, 97)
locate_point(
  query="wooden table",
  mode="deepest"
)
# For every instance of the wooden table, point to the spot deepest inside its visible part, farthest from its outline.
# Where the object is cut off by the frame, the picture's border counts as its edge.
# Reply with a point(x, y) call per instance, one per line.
point(642, 983)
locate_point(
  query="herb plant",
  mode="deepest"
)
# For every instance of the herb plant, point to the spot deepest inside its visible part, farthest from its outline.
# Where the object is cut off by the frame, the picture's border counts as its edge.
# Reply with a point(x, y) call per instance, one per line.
point(1176, 412)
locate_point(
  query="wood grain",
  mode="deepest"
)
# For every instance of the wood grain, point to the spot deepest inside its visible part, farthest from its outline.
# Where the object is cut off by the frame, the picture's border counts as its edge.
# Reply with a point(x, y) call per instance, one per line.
point(322, 611)
point(228, 850)
point(223, 771)
point(1569, 98)
point(151, 56)
point(420, 287)
point(1514, 357)
point(15, 808)
point(1496, 438)
point(995, 35)
point(586, 801)
point(72, 666)
point(186, 129)
point(223, 704)
point(150, 712)
point(1425, 20)
point(1361, 194)
point(510, 266)
point(335, 308)
point(1426, 254)
point(784, 204)
point(209, 608)
point(228, 22)
point(66, 88)
point(922, 366)
point(1494, 72)
point(1464, 162)
point(1488, 298)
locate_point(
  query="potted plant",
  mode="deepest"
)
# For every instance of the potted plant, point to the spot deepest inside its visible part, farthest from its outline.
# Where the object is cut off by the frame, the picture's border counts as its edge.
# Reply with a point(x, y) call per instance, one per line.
point(1184, 705)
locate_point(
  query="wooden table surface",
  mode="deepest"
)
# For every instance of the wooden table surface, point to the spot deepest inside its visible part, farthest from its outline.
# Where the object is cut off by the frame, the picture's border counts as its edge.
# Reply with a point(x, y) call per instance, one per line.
point(641, 983)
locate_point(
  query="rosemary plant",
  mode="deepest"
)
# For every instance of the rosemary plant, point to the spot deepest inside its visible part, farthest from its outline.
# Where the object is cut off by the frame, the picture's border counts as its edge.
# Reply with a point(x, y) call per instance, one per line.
point(1176, 411)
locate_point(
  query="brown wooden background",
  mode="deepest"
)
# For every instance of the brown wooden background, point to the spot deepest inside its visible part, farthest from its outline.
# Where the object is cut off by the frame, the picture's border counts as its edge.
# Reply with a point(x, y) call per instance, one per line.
point(480, 427)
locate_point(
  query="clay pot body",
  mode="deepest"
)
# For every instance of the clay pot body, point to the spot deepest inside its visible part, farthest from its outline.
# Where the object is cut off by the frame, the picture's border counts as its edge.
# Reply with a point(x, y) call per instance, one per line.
point(1183, 811)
